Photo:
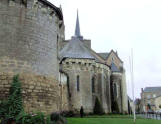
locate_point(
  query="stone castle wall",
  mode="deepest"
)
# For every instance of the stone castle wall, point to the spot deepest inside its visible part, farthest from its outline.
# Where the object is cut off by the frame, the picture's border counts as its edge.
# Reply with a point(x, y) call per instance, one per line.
point(40, 93)
point(102, 89)
point(124, 93)
point(83, 97)
point(87, 69)
point(116, 79)
point(28, 34)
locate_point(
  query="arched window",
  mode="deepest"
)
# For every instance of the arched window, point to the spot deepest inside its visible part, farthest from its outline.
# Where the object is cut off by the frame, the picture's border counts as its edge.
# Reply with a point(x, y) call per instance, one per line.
point(115, 90)
point(112, 59)
point(78, 83)
point(68, 86)
point(93, 85)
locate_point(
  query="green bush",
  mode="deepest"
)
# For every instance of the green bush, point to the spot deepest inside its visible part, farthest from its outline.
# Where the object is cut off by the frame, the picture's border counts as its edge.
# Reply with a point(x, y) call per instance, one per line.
point(15, 104)
point(3, 109)
point(115, 107)
point(40, 118)
point(37, 118)
point(98, 107)
point(11, 107)
point(48, 120)
point(149, 106)
point(67, 114)
point(56, 118)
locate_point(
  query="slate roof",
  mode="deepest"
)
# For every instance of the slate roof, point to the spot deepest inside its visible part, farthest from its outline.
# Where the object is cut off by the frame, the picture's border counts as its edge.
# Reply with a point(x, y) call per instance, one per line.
point(152, 89)
point(103, 55)
point(114, 68)
point(97, 57)
point(75, 49)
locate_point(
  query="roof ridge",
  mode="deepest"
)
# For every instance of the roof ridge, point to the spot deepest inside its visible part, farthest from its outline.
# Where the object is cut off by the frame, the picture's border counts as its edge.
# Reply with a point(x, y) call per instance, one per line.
point(104, 55)
point(103, 52)
point(153, 87)
point(75, 49)
point(96, 54)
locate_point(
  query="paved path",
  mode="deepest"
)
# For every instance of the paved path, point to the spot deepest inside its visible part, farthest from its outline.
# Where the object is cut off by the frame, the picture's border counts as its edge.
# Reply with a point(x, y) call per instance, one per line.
point(151, 116)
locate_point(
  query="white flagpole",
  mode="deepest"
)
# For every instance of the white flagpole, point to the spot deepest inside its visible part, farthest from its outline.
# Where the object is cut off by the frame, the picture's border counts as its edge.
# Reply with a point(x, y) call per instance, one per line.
point(132, 82)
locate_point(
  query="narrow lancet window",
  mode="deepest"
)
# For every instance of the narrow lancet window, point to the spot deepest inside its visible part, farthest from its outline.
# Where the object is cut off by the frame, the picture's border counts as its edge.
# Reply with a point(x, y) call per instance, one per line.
point(93, 85)
point(115, 90)
point(78, 88)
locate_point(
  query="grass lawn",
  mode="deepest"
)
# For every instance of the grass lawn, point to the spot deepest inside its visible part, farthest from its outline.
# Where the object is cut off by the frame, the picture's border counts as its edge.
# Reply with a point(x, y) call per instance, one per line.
point(104, 120)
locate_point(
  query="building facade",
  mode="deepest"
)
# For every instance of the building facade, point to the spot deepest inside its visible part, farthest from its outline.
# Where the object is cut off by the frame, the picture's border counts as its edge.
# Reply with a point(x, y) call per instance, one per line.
point(151, 99)
point(29, 34)
point(92, 75)
point(56, 74)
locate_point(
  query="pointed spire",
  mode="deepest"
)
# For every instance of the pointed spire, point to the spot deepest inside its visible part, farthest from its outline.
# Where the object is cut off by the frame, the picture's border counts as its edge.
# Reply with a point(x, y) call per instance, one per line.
point(77, 29)
point(60, 7)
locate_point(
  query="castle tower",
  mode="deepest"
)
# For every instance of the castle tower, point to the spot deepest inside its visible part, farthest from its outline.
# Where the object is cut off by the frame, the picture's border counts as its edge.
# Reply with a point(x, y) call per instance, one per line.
point(29, 34)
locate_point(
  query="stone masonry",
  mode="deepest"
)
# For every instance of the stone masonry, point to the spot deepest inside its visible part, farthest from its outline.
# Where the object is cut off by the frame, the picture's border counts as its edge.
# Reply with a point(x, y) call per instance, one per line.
point(29, 34)
point(86, 70)
point(40, 93)
point(56, 74)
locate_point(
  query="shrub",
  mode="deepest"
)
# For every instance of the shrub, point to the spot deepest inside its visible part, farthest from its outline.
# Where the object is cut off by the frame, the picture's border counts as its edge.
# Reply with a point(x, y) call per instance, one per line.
point(56, 118)
point(149, 106)
point(115, 107)
point(48, 120)
point(40, 118)
point(15, 104)
point(67, 114)
point(37, 118)
point(90, 113)
point(3, 108)
point(98, 107)
point(11, 107)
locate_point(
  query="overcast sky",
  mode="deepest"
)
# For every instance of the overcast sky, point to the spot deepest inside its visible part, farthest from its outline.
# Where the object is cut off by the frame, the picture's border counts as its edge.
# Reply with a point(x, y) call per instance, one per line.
point(121, 25)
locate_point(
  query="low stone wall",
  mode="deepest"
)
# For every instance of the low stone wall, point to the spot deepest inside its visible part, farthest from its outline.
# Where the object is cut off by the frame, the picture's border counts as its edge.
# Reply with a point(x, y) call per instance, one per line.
point(40, 93)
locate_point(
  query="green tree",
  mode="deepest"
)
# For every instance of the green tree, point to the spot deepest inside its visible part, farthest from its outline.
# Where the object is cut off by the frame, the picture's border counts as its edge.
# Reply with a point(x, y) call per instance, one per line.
point(149, 106)
point(12, 107)
point(15, 103)
point(98, 107)
point(115, 107)
point(3, 108)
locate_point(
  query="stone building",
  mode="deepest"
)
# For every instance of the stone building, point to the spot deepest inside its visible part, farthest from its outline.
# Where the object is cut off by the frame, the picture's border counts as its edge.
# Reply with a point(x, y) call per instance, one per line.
point(150, 99)
point(29, 34)
point(92, 75)
point(56, 74)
